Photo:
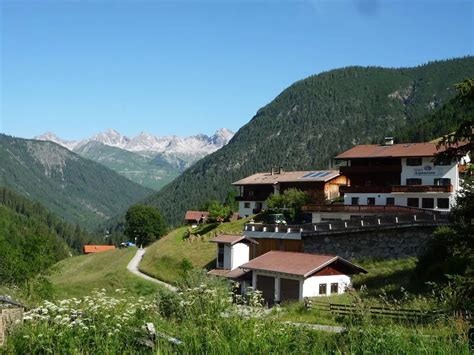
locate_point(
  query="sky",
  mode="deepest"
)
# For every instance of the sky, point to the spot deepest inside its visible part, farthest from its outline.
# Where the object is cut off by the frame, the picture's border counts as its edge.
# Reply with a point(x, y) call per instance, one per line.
point(186, 67)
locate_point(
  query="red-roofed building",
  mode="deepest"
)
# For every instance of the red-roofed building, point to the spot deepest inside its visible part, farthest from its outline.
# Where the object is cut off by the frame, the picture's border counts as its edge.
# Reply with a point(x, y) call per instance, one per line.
point(286, 276)
point(196, 217)
point(89, 249)
point(399, 174)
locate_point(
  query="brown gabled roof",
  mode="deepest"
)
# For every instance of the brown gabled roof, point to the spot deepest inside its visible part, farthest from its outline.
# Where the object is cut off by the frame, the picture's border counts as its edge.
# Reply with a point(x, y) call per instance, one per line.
point(97, 248)
point(391, 151)
point(232, 239)
point(289, 176)
point(196, 215)
point(298, 264)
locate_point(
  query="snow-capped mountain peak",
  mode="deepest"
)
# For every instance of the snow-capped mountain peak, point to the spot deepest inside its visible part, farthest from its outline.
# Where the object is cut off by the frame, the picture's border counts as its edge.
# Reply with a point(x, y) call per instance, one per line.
point(171, 147)
point(111, 137)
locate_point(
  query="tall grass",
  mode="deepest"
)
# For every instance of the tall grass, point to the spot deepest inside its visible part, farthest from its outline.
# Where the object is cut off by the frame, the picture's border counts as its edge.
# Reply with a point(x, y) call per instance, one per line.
point(209, 319)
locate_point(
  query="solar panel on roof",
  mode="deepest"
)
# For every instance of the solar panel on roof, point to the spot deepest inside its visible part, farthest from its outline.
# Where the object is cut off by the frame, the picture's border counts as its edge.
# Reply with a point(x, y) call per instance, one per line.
point(306, 175)
point(325, 174)
point(317, 174)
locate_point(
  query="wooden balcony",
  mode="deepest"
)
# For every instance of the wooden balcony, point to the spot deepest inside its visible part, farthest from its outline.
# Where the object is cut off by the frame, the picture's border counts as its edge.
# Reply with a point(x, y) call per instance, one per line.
point(375, 209)
point(371, 169)
point(395, 189)
point(422, 188)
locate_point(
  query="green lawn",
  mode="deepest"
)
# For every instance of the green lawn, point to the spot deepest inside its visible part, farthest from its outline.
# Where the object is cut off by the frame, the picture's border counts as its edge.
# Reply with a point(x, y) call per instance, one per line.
point(388, 283)
point(77, 276)
point(164, 258)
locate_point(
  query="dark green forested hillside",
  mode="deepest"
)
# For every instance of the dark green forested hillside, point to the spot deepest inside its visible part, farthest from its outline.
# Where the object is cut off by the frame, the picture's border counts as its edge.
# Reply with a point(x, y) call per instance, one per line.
point(32, 238)
point(316, 118)
point(443, 121)
point(77, 189)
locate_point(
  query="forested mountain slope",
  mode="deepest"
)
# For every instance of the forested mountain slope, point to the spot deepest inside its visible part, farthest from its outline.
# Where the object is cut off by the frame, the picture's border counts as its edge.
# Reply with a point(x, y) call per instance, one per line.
point(77, 189)
point(146, 171)
point(32, 238)
point(312, 121)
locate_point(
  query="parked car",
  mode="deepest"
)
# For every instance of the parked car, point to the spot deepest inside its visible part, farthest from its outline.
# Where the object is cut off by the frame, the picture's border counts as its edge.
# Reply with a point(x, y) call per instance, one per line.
point(276, 218)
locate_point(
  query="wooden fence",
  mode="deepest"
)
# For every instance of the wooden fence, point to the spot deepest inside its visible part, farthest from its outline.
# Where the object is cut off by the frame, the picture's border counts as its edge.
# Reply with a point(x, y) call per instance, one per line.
point(352, 310)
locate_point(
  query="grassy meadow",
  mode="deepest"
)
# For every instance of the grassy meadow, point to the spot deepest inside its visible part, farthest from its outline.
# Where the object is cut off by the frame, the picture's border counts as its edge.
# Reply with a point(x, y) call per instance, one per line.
point(164, 259)
point(79, 275)
point(205, 319)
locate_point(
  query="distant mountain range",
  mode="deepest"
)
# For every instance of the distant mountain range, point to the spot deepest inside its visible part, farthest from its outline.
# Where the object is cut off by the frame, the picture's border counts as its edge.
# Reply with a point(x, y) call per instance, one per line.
point(146, 159)
point(76, 189)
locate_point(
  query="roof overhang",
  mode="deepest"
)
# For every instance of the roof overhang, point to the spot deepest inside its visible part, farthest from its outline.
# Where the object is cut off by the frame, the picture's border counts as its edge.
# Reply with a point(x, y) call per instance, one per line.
point(233, 242)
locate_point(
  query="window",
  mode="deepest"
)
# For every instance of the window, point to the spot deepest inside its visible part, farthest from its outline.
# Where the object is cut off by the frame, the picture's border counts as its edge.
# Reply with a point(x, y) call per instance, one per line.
point(390, 201)
point(251, 193)
point(246, 204)
point(427, 202)
point(371, 200)
point(443, 203)
point(413, 202)
point(322, 289)
point(413, 181)
point(220, 256)
point(354, 201)
point(334, 287)
point(442, 182)
point(414, 161)
point(445, 161)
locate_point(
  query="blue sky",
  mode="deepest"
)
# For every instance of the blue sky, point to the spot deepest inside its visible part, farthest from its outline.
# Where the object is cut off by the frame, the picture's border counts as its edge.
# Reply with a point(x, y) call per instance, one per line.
point(188, 67)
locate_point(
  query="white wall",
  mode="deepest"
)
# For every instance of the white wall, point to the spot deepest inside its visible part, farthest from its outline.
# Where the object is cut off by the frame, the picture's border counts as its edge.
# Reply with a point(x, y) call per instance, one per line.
point(240, 255)
point(244, 212)
point(311, 284)
point(427, 172)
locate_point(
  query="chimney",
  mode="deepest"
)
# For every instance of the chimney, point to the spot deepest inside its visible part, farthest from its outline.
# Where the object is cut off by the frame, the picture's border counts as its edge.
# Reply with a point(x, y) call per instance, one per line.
point(388, 141)
point(280, 170)
point(273, 171)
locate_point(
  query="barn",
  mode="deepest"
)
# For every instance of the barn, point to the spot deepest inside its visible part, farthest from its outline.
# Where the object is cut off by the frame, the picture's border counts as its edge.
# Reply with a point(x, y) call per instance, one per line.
point(289, 276)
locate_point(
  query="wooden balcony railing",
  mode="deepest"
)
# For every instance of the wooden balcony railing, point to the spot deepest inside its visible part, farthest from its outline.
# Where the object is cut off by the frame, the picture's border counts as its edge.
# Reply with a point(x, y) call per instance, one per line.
point(376, 209)
point(396, 188)
point(348, 170)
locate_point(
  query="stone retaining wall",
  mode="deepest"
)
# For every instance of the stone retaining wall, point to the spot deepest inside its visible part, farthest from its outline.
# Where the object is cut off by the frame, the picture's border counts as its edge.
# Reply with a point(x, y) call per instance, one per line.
point(387, 243)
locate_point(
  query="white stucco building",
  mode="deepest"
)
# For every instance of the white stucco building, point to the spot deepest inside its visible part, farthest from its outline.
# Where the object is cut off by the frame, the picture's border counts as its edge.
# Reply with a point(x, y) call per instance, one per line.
point(286, 276)
point(233, 251)
point(399, 174)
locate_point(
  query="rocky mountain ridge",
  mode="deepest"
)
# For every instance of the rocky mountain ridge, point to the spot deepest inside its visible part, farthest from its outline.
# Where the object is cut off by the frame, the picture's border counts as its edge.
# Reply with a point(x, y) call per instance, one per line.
point(145, 142)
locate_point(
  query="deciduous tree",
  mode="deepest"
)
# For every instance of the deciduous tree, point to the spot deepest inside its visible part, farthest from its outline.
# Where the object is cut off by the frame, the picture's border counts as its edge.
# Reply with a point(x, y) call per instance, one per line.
point(144, 224)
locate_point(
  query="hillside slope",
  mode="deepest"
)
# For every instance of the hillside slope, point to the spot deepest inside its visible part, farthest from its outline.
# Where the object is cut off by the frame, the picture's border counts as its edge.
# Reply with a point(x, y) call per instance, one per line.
point(77, 189)
point(31, 239)
point(312, 121)
point(165, 258)
point(79, 275)
point(148, 172)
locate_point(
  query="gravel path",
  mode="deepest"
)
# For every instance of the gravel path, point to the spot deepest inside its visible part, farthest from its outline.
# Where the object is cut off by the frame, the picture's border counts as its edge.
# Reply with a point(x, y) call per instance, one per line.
point(133, 268)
